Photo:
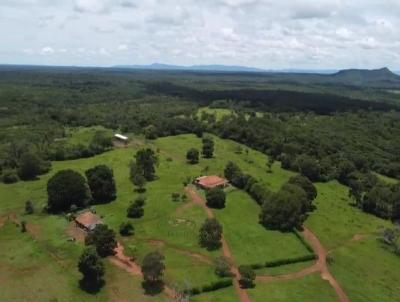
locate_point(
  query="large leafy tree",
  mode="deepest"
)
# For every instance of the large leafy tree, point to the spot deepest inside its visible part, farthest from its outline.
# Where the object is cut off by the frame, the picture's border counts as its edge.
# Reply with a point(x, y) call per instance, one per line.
point(29, 166)
point(146, 160)
point(216, 198)
point(92, 268)
point(153, 268)
point(282, 211)
point(67, 188)
point(101, 183)
point(210, 234)
point(103, 238)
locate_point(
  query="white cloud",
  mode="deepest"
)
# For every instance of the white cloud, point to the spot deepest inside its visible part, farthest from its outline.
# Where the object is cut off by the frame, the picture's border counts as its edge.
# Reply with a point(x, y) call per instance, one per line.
point(47, 50)
point(265, 33)
point(122, 47)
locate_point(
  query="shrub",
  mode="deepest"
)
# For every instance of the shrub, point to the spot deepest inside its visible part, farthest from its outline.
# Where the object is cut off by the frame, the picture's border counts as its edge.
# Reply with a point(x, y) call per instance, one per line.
point(9, 176)
point(135, 210)
point(126, 229)
point(247, 276)
point(216, 198)
point(222, 267)
point(192, 156)
point(29, 209)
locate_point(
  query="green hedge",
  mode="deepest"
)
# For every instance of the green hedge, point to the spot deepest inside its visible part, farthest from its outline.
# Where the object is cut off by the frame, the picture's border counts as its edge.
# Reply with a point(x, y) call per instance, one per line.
point(303, 241)
point(223, 283)
point(283, 261)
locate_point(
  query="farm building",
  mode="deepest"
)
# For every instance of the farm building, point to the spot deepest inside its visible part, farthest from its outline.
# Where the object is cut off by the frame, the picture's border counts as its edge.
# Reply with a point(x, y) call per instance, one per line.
point(88, 221)
point(121, 137)
point(210, 182)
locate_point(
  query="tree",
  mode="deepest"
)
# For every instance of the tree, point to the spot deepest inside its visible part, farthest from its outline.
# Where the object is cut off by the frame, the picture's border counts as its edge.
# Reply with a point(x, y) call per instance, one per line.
point(153, 268)
point(66, 188)
point(304, 183)
point(223, 267)
point(231, 170)
point(137, 178)
point(192, 156)
point(126, 229)
point(208, 147)
point(101, 141)
point(23, 226)
point(299, 195)
point(103, 239)
point(101, 183)
point(92, 268)
point(146, 160)
point(247, 276)
point(135, 210)
point(309, 167)
point(175, 196)
point(281, 212)
point(210, 234)
point(150, 132)
point(29, 166)
point(29, 209)
point(216, 198)
point(270, 163)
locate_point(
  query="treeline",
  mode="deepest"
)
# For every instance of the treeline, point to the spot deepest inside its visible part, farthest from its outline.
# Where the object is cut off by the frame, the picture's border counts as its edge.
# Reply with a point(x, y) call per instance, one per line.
point(320, 147)
point(270, 100)
point(285, 210)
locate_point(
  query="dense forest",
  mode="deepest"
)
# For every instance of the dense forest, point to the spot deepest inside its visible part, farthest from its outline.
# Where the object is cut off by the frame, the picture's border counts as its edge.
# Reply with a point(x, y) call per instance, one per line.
point(321, 132)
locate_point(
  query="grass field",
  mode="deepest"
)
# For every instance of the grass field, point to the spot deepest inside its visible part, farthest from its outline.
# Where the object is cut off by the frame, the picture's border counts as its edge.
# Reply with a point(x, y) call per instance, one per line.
point(30, 261)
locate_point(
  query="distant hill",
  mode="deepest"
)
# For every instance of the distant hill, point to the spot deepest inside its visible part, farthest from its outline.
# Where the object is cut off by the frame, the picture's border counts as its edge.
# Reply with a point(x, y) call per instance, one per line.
point(364, 76)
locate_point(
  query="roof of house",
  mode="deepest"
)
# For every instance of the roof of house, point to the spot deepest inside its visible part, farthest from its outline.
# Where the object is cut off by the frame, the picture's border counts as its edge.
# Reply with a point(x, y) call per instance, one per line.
point(120, 136)
point(211, 181)
point(88, 219)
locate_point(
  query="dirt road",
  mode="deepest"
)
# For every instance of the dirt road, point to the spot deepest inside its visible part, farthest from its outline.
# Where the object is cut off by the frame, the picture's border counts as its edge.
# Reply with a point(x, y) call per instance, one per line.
point(197, 199)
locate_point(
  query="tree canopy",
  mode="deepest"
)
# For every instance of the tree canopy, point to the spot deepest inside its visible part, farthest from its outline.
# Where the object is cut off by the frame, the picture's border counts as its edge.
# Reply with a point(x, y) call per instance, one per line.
point(101, 183)
point(67, 188)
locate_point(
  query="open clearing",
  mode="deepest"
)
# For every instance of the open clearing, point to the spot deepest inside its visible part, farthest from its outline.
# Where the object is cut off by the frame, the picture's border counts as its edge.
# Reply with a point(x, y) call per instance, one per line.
point(28, 260)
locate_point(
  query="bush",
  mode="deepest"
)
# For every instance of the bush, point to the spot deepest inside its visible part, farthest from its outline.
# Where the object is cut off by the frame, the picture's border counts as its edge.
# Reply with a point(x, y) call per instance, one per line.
point(215, 198)
point(135, 210)
point(9, 176)
point(126, 229)
point(222, 267)
point(247, 276)
point(29, 209)
point(192, 156)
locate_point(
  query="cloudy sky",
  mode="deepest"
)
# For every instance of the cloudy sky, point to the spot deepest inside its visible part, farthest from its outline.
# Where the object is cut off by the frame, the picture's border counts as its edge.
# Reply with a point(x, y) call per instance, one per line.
point(316, 34)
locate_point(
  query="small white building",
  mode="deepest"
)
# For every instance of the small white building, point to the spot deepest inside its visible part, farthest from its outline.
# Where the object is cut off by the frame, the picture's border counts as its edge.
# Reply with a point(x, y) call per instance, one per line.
point(121, 137)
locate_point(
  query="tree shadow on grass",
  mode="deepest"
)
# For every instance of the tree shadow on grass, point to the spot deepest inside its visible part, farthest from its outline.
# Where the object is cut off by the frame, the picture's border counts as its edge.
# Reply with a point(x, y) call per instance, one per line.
point(153, 288)
point(90, 286)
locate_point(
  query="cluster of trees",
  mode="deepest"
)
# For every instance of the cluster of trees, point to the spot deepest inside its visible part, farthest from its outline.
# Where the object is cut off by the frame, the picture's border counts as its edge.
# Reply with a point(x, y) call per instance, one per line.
point(101, 242)
point(375, 197)
point(68, 189)
point(284, 210)
point(320, 147)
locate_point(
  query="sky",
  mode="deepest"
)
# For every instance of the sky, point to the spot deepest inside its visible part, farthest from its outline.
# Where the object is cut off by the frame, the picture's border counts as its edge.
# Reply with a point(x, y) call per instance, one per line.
point(271, 34)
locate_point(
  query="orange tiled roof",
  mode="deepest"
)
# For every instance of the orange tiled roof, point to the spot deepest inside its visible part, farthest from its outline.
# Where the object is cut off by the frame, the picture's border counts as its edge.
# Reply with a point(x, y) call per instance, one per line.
point(211, 181)
point(88, 219)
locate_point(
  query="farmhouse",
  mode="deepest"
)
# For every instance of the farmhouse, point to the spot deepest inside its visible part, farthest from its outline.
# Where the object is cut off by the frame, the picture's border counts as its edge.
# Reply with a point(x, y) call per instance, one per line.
point(88, 221)
point(212, 181)
point(121, 137)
